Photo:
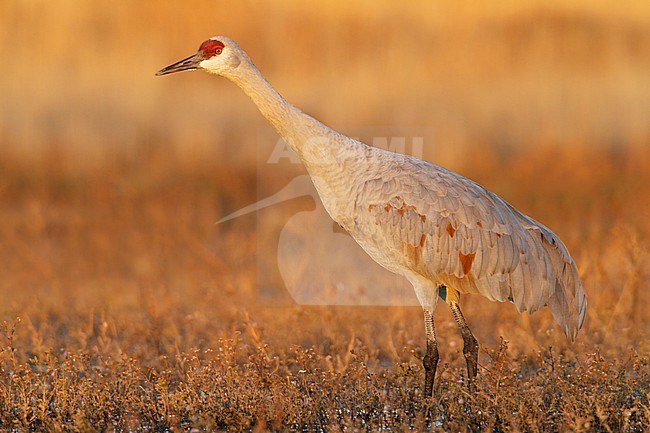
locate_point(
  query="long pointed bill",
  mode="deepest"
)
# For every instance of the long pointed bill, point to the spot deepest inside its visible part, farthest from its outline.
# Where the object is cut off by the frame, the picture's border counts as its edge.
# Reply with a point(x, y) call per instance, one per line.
point(187, 64)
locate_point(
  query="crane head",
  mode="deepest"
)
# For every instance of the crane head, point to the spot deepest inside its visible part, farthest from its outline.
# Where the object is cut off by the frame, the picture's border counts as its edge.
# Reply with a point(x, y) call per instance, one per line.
point(218, 55)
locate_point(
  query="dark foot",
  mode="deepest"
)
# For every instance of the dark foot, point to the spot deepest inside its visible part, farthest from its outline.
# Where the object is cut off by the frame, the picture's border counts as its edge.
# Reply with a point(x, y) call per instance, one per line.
point(470, 345)
point(430, 363)
point(470, 350)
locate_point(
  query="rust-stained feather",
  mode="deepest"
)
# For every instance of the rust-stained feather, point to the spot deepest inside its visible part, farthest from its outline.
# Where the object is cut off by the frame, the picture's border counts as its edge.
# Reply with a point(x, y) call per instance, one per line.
point(466, 261)
point(448, 230)
point(451, 230)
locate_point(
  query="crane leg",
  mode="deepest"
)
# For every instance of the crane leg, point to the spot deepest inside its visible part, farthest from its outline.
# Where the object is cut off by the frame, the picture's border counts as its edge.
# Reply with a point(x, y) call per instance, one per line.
point(470, 345)
point(430, 360)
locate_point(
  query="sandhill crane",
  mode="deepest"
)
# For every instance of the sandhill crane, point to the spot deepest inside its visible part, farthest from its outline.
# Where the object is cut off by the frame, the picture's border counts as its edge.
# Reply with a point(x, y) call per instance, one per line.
point(443, 232)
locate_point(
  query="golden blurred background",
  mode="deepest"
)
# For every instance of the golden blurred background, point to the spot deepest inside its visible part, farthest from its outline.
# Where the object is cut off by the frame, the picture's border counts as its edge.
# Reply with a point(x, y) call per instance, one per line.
point(111, 180)
point(560, 87)
point(77, 78)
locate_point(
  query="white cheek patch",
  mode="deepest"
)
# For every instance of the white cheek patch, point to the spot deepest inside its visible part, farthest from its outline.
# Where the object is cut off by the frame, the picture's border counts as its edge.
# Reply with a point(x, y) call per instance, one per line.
point(220, 63)
point(205, 64)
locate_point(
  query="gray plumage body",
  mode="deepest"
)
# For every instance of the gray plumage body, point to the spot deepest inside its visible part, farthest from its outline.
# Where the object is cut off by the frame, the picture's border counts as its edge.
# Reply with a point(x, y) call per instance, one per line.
point(417, 219)
point(434, 226)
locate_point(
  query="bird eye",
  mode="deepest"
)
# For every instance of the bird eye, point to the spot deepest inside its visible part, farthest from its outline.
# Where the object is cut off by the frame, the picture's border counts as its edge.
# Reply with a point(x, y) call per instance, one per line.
point(211, 48)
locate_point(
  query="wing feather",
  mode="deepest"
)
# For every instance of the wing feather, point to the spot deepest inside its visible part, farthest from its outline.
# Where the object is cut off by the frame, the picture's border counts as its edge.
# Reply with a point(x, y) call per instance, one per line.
point(425, 219)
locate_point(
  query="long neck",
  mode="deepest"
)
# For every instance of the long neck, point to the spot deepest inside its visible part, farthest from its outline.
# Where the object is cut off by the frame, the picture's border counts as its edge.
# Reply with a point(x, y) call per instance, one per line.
point(277, 110)
point(331, 159)
point(298, 129)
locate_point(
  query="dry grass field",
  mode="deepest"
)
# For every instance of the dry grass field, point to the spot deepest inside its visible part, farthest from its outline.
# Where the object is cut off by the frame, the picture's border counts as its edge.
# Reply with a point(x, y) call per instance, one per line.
point(124, 307)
